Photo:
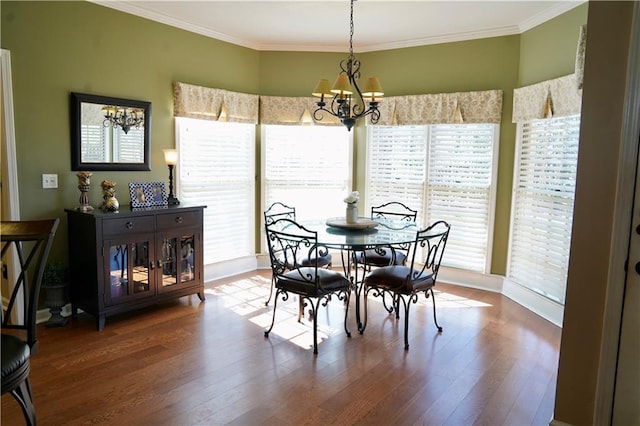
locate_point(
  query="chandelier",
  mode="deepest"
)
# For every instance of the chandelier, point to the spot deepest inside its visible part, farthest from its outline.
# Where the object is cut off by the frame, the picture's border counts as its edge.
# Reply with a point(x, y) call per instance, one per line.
point(348, 103)
point(123, 117)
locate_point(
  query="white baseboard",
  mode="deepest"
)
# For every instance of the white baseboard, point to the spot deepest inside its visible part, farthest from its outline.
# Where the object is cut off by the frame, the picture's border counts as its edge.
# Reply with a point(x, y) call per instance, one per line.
point(536, 303)
point(216, 271)
point(555, 422)
point(43, 315)
point(471, 279)
point(546, 308)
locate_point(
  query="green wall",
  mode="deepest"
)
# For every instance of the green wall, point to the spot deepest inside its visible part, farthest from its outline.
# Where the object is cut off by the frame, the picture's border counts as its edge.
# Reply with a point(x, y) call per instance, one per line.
point(60, 47)
point(549, 50)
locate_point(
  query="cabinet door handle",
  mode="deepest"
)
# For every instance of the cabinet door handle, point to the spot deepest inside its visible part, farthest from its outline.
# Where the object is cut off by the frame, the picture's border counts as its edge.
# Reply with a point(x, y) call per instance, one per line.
point(129, 225)
point(159, 263)
point(151, 264)
point(178, 219)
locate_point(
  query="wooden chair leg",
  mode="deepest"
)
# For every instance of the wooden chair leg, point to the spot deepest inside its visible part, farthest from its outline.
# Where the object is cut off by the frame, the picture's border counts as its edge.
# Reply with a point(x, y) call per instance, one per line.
point(22, 394)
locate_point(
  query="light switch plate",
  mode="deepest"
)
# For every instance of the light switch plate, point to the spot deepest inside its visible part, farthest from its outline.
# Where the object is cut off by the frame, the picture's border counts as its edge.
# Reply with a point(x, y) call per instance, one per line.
point(49, 180)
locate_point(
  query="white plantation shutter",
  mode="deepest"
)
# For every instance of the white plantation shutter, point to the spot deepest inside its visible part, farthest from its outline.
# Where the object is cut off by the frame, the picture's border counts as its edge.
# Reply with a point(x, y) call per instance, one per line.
point(97, 146)
point(130, 146)
point(93, 143)
point(544, 189)
point(217, 169)
point(460, 190)
point(445, 172)
point(307, 167)
point(396, 168)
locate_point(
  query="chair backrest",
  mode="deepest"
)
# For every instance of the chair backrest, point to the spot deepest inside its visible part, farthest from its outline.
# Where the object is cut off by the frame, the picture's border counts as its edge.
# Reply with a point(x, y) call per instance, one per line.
point(394, 210)
point(31, 241)
point(277, 211)
point(428, 249)
point(288, 243)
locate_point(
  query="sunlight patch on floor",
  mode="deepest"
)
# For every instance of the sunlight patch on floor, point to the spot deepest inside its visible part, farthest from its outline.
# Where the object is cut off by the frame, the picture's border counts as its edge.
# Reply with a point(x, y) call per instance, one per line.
point(247, 298)
point(448, 300)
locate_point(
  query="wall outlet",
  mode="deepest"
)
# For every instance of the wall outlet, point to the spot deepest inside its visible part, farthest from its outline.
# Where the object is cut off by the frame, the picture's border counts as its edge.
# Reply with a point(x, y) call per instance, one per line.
point(49, 180)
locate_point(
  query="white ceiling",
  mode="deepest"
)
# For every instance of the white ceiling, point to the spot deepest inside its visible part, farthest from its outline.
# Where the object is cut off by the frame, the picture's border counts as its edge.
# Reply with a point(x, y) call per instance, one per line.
point(306, 25)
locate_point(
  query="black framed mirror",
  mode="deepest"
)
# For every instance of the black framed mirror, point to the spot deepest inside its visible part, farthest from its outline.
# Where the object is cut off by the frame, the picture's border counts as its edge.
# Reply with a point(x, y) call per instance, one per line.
point(111, 134)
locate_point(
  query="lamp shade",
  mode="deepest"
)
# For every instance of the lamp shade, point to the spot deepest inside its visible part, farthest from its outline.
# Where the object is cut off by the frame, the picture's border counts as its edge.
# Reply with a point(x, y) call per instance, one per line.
point(342, 85)
point(322, 89)
point(109, 110)
point(373, 89)
point(170, 156)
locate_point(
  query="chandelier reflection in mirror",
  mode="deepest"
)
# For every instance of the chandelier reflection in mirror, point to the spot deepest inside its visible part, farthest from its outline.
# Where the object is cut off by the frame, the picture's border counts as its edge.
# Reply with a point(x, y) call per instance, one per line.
point(348, 103)
point(125, 118)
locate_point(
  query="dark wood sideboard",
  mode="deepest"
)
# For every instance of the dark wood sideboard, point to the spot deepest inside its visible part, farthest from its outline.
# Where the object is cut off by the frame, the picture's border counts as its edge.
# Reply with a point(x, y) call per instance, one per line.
point(125, 260)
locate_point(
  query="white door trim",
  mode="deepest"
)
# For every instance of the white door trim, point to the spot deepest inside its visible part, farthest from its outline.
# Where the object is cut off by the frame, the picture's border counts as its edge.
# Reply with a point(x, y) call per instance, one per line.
point(626, 179)
point(10, 200)
point(10, 180)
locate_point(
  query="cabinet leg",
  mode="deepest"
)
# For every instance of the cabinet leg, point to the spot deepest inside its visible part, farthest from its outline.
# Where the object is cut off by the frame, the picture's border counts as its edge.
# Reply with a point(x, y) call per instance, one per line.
point(74, 311)
point(201, 295)
point(100, 322)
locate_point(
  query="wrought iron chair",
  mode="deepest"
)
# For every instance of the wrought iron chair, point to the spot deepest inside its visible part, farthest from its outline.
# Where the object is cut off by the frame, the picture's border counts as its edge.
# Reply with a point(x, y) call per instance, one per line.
point(32, 242)
point(385, 256)
point(288, 243)
point(278, 211)
point(405, 283)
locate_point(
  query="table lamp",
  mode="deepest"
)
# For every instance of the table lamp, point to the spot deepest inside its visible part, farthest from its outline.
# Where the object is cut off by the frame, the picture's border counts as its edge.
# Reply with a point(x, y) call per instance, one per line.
point(171, 158)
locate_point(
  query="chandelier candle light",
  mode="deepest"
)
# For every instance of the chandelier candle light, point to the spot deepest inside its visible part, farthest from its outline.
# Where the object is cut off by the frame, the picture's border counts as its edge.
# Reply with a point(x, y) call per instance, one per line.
point(348, 103)
point(123, 117)
point(171, 158)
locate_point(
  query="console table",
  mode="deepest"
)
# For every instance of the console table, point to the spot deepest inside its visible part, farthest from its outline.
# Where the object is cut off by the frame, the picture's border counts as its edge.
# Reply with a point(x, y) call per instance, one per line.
point(120, 261)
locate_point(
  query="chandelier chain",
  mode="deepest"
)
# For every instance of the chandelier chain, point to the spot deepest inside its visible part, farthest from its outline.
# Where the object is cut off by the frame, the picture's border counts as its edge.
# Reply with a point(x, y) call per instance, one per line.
point(348, 102)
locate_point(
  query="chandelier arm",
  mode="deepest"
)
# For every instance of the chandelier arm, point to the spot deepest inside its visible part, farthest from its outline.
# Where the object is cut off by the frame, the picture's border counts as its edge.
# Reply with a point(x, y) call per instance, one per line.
point(347, 107)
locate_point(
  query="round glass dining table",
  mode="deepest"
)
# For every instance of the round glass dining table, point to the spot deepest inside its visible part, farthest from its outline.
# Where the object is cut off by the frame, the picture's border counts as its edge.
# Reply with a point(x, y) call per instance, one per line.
point(335, 233)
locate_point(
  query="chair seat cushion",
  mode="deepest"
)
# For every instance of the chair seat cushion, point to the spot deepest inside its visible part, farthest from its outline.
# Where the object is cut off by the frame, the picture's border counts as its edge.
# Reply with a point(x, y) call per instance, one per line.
point(311, 261)
point(303, 281)
point(382, 257)
point(15, 355)
point(400, 279)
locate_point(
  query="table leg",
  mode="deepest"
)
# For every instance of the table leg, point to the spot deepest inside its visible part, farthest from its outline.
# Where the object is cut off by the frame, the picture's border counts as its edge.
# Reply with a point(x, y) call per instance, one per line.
point(352, 264)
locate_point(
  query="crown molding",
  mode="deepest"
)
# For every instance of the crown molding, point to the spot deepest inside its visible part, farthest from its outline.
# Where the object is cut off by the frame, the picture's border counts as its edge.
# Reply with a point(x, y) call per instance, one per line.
point(557, 10)
point(131, 8)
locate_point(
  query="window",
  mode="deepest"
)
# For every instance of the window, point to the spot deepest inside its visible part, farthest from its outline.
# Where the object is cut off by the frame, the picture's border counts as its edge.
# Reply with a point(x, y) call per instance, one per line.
point(542, 212)
point(446, 172)
point(307, 167)
point(217, 169)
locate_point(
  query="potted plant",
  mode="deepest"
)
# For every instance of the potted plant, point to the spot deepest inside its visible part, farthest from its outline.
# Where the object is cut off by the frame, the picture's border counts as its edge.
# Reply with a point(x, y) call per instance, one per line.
point(54, 282)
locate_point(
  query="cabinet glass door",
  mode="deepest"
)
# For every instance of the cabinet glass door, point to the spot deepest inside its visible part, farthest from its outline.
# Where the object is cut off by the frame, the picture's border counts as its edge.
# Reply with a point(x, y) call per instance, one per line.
point(178, 257)
point(128, 269)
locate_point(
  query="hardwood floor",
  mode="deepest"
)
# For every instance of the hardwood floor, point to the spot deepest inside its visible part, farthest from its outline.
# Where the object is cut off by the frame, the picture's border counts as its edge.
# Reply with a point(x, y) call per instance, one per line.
point(191, 363)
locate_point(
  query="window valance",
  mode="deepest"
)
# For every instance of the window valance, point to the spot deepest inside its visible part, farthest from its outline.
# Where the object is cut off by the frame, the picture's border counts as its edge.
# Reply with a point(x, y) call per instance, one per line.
point(582, 48)
point(442, 108)
point(208, 103)
point(285, 110)
point(559, 97)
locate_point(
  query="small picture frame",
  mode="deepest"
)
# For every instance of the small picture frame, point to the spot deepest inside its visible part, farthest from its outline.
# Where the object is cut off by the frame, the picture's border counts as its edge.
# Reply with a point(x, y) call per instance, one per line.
point(157, 194)
point(147, 194)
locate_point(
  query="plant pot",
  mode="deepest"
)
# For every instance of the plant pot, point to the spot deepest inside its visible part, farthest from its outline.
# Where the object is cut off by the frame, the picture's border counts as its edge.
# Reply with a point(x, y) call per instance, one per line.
point(56, 296)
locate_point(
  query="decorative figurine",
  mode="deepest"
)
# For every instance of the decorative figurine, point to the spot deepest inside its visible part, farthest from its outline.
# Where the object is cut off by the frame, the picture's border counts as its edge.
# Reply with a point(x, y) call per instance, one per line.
point(109, 203)
point(84, 183)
